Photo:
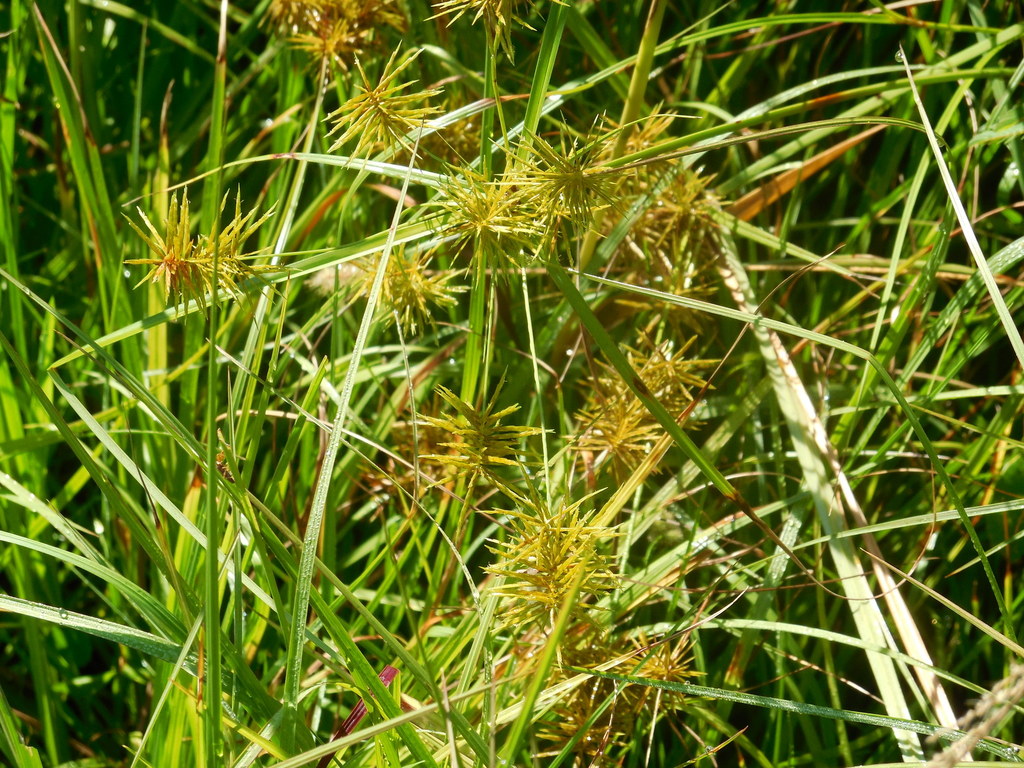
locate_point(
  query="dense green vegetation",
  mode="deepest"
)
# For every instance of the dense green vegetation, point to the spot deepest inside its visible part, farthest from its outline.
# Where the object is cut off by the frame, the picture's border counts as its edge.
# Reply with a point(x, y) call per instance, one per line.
point(584, 383)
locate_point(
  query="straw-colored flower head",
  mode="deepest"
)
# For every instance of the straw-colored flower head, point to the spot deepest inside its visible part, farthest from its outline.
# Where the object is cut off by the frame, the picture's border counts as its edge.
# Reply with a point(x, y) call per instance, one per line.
point(185, 266)
point(381, 114)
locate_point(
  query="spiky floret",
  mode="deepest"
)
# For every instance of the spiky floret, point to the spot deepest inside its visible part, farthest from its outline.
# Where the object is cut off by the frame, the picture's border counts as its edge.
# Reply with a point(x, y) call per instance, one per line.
point(593, 714)
point(381, 114)
point(498, 17)
point(482, 444)
point(602, 715)
point(570, 183)
point(293, 15)
point(671, 244)
point(668, 659)
point(410, 288)
point(180, 265)
point(184, 266)
point(336, 30)
point(616, 423)
point(494, 218)
point(675, 236)
point(547, 554)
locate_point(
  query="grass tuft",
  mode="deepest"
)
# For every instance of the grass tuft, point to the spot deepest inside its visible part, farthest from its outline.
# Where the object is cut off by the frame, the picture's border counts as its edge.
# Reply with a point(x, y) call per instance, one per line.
point(578, 384)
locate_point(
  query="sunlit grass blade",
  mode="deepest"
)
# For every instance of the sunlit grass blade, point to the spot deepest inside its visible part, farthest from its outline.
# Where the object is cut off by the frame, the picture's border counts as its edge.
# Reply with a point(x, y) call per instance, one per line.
point(991, 746)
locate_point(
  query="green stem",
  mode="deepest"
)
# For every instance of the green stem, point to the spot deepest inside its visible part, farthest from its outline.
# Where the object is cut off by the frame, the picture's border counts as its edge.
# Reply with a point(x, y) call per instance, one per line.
point(487, 117)
point(477, 330)
point(213, 682)
point(631, 109)
point(542, 75)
